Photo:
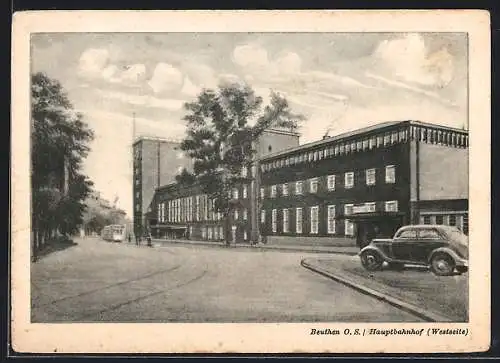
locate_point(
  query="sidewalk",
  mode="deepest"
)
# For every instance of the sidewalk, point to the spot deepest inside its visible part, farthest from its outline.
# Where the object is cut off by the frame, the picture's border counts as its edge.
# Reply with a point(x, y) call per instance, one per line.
point(431, 297)
point(259, 247)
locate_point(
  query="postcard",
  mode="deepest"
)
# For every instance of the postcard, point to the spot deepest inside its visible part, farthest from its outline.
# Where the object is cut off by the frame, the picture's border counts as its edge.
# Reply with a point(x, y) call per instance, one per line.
point(250, 182)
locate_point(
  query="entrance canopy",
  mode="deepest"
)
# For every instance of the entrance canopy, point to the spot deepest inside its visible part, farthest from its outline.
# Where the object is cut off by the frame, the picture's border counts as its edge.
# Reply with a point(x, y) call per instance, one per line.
point(373, 216)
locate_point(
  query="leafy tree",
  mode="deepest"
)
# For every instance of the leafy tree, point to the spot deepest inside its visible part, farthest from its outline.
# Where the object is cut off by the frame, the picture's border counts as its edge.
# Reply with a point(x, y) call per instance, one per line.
point(59, 143)
point(222, 126)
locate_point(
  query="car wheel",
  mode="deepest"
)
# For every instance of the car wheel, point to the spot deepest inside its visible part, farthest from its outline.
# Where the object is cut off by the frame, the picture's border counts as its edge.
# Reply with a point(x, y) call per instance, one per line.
point(442, 265)
point(371, 260)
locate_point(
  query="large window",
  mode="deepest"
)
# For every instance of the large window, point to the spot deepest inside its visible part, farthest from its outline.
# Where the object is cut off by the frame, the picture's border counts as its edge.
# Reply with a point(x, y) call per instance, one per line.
point(245, 191)
point(331, 219)
point(285, 189)
point(313, 185)
point(274, 222)
point(298, 188)
point(391, 206)
point(349, 228)
point(273, 191)
point(370, 176)
point(331, 182)
point(235, 193)
point(262, 193)
point(196, 209)
point(285, 221)
point(349, 179)
point(298, 220)
point(348, 209)
point(390, 174)
point(245, 214)
point(314, 219)
point(262, 216)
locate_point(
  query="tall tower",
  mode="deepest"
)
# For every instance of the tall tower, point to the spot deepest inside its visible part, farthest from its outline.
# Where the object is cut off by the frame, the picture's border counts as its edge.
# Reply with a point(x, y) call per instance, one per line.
point(156, 162)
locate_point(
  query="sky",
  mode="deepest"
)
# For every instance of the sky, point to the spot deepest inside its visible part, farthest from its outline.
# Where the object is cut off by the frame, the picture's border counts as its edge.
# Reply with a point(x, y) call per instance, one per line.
point(339, 81)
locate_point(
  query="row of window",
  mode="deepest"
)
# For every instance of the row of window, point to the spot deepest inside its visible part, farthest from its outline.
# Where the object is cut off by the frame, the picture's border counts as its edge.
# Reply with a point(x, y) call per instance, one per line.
point(370, 179)
point(389, 206)
point(188, 209)
point(459, 220)
point(235, 193)
point(216, 233)
point(428, 135)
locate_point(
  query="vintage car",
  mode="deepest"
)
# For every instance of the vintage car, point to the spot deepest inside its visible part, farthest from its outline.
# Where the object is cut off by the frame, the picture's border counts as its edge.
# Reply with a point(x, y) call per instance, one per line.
point(444, 249)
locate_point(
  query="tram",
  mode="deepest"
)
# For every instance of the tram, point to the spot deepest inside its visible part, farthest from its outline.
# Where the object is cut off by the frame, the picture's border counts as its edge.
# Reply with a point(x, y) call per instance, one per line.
point(114, 233)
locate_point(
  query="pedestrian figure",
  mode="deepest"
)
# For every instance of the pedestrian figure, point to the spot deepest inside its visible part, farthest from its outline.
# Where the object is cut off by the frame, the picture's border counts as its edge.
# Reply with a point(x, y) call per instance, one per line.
point(148, 239)
point(137, 240)
point(129, 238)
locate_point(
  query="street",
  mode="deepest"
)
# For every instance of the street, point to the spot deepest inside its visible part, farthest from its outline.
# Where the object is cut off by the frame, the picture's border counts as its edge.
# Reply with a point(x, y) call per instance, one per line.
point(112, 282)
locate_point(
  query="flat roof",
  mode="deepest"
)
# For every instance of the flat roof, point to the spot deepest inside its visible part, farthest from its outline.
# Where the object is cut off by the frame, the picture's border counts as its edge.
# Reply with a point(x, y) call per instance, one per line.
point(154, 138)
point(352, 133)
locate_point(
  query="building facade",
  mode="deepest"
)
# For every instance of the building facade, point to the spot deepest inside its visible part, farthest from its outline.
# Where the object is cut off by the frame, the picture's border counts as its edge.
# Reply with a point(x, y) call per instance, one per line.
point(156, 161)
point(367, 183)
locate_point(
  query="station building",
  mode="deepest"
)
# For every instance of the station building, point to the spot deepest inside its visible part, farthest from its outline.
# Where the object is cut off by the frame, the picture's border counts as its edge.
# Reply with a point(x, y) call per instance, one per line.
point(341, 190)
point(367, 183)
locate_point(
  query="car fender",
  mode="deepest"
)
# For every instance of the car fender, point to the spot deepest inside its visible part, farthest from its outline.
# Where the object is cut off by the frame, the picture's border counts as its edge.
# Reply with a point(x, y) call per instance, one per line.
point(375, 249)
point(446, 250)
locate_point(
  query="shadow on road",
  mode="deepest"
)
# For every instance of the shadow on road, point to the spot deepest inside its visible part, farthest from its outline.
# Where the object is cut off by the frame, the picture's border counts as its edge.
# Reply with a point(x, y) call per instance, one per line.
point(54, 246)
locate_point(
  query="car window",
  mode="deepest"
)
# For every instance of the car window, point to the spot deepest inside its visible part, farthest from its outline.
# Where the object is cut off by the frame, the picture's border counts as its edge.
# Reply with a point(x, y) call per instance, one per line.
point(409, 233)
point(428, 234)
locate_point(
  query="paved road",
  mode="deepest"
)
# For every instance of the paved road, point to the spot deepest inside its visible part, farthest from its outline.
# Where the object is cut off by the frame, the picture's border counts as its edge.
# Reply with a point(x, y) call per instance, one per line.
point(102, 281)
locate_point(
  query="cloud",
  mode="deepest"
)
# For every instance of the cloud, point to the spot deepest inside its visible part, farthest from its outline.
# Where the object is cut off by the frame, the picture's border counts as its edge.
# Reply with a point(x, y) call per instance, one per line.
point(92, 62)
point(320, 76)
point(189, 88)
point(133, 73)
point(230, 78)
point(254, 58)
point(165, 78)
point(95, 63)
point(412, 88)
point(201, 75)
point(408, 59)
point(144, 100)
point(250, 55)
point(289, 63)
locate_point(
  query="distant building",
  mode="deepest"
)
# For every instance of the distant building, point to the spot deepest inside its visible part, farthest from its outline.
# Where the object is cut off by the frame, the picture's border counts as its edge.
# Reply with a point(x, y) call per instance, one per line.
point(156, 162)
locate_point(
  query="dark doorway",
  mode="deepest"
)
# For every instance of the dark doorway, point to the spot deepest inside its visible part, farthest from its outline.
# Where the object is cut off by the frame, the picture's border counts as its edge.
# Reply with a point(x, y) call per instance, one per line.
point(369, 229)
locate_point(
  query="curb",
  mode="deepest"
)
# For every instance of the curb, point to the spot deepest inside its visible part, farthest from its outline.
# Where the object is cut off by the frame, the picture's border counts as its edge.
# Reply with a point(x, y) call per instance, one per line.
point(255, 248)
point(400, 304)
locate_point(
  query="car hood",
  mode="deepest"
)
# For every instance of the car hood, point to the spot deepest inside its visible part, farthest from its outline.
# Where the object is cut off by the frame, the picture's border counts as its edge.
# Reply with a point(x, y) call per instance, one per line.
point(461, 248)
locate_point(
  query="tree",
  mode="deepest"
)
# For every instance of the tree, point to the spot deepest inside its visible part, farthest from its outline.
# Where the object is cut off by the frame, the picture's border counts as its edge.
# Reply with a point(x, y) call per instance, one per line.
point(59, 143)
point(222, 127)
